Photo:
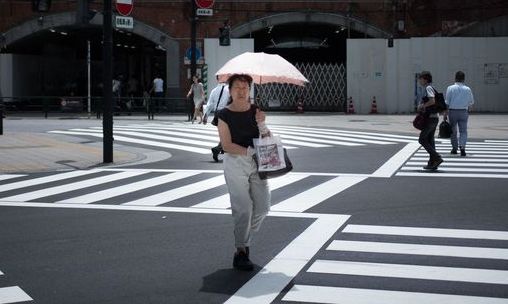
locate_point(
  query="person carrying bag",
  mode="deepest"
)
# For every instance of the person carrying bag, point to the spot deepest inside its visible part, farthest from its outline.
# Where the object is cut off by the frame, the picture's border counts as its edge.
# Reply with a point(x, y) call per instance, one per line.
point(271, 157)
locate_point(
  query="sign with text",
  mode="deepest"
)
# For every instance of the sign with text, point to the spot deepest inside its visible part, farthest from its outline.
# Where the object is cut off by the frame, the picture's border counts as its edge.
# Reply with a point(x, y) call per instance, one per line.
point(124, 22)
point(204, 12)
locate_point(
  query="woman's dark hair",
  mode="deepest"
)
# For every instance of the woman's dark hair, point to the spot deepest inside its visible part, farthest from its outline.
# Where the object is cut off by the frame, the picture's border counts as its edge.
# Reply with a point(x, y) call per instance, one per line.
point(426, 75)
point(460, 76)
point(238, 77)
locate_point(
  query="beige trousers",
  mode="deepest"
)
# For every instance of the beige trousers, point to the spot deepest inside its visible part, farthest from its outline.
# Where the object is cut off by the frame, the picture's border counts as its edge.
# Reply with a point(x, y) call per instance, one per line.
point(249, 195)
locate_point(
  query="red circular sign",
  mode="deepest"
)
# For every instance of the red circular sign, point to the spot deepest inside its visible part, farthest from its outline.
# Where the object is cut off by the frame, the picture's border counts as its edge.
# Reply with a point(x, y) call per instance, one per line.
point(124, 7)
point(205, 3)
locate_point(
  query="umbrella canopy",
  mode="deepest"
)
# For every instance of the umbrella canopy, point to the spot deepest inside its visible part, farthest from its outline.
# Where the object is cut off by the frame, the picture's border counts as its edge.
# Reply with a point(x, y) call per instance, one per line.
point(263, 68)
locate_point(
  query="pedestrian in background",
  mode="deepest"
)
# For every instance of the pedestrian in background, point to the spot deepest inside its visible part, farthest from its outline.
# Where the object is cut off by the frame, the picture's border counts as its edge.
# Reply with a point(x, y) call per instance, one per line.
point(158, 90)
point(217, 101)
point(427, 134)
point(459, 99)
point(239, 123)
point(198, 92)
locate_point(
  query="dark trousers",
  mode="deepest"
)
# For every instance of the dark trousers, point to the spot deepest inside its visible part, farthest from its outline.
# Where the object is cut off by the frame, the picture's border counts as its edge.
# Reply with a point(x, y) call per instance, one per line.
point(427, 137)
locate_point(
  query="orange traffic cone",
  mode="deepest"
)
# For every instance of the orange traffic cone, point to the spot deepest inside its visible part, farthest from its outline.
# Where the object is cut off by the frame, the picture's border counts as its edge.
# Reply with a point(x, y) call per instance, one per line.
point(373, 107)
point(351, 107)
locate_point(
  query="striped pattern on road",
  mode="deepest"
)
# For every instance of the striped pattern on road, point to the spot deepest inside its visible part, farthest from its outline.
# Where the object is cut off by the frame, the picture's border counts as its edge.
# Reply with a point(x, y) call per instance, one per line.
point(199, 138)
point(191, 188)
point(484, 160)
point(433, 274)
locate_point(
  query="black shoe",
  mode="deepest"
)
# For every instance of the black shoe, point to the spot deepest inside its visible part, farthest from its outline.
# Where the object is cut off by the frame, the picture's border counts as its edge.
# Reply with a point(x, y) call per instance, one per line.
point(454, 151)
point(215, 155)
point(463, 152)
point(433, 164)
point(241, 262)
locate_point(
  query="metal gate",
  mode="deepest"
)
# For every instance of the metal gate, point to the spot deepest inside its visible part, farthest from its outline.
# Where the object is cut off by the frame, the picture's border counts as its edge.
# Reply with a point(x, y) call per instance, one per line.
point(326, 90)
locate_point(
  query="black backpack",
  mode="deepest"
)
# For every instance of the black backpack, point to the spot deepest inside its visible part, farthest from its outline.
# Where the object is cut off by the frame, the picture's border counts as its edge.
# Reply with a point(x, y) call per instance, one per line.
point(440, 105)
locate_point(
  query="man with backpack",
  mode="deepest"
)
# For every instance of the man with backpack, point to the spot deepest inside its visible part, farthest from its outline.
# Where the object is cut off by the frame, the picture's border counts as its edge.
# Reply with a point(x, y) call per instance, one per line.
point(430, 107)
point(459, 99)
point(219, 98)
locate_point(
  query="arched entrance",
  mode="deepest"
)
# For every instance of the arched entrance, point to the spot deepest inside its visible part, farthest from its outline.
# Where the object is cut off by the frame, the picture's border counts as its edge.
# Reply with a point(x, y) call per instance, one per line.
point(65, 24)
point(316, 43)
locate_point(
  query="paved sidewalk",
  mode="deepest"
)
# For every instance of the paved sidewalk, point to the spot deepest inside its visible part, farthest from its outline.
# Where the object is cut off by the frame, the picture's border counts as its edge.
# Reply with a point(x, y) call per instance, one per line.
point(35, 152)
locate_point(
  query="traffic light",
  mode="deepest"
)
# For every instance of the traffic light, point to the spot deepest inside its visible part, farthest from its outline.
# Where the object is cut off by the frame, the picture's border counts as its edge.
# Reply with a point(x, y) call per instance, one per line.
point(41, 5)
point(224, 36)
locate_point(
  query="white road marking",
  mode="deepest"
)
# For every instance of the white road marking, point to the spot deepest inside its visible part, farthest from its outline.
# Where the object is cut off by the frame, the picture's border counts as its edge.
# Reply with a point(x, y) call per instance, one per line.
point(310, 198)
point(333, 137)
point(497, 141)
point(473, 275)
point(455, 164)
point(473, 151)
point(13, 294)
point(340, 295)
point(318, 140)
point(223, 201)
point(45, 179)
point(409, 168)
point(139, 141)
point(267, 284)
point(10, 176)
point(403, 138)
point(427, 232)
point(417, 249)
point(433, 174)
point(465, 160)
point(168, 132)
point(396, 161)
point(174, 194)
point(28, 196)
point(159, 137)
point(469, 156)
point(128, 188)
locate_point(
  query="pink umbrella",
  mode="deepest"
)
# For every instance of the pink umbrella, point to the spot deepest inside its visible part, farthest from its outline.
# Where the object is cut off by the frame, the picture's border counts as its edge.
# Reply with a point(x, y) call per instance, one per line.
point(263, 68)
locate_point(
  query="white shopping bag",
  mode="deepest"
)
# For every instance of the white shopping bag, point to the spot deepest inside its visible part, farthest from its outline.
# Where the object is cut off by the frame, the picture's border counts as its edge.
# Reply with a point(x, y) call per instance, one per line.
point(269, 154)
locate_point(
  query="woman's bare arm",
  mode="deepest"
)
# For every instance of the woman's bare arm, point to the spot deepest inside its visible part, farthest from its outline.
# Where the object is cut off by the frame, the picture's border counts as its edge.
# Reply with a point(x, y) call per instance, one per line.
point(226, 142)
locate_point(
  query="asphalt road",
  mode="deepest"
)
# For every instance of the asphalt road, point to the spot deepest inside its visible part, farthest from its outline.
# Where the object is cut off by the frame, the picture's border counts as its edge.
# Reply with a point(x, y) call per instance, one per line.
point(357, 221)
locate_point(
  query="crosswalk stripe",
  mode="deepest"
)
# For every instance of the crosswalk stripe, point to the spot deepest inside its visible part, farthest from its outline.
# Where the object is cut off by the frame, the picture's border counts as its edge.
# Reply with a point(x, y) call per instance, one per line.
point(139, 141)
point(10, 176)
point(13, 294)
point(469, 164)
point(440, 174)
point(465, 160)
point(334, 137)
point(168, 132)
point(476, 147)
point(1, 273)
point(409, 168)
point(417, 249)
point(43, 180)
point(304, 144)
point(403, 138)
point(174, 194)
point(318, 140)
point(158, 137)
point(497, 141)
point(487, 151)
point(223, 201)
point(473, 275)
point(427, 232)
point(28, 196)
point(128, 188)
point(341, 295)
point(470, 155)
point(317, 194)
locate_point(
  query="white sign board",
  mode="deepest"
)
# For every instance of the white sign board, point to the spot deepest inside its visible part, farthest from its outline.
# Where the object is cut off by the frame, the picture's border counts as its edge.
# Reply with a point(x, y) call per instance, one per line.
point(124, 22)
point(204, 12)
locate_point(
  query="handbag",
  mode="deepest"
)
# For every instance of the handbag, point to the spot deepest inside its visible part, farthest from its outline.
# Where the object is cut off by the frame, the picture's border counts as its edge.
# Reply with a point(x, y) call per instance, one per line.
point(420, 120)
point(445, 129)
point(215, 120)
point(271, 157)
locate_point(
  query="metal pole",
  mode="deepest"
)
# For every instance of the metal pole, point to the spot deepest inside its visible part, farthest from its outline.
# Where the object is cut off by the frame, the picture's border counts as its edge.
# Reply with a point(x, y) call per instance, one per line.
point(193, 37)
point(107, 119)
point(88, 62)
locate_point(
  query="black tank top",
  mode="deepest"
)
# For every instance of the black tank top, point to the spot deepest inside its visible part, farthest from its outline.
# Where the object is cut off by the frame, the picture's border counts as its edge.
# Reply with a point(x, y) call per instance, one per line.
point(242, 125)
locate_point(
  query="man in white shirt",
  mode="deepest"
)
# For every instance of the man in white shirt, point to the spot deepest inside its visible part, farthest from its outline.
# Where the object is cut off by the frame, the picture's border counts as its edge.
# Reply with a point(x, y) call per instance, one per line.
point(158, 90)
point(459, 99)
point(218, 100)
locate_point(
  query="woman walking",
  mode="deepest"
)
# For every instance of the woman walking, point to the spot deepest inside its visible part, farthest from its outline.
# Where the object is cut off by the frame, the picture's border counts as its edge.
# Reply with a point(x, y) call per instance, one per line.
point(427, 134)
point(198, 92)
point(239, 123)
